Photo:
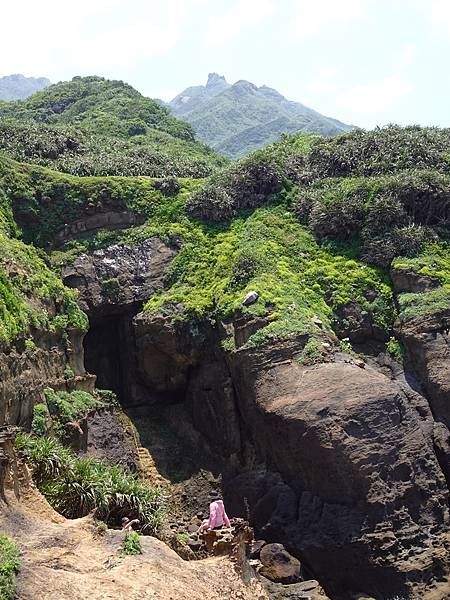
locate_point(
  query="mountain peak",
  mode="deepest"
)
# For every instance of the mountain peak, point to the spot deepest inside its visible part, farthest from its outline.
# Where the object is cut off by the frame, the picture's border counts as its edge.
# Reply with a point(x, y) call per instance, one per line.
point(17, 86)
point(215, 79)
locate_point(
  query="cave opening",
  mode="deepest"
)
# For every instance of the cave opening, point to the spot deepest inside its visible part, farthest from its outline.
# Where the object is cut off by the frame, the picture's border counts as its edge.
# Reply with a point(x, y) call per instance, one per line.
point(108, 353)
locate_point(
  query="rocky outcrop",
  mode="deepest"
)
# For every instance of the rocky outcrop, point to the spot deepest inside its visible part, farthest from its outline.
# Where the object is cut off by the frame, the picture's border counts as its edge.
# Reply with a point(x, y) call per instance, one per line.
point(92, 223)
point(104, 434)
point(356, 451)
point(118, 276)
point(343, 465)
point(24, 375)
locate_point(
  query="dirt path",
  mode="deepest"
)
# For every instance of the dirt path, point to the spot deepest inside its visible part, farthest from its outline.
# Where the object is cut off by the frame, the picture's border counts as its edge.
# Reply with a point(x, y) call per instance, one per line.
point(64, 560)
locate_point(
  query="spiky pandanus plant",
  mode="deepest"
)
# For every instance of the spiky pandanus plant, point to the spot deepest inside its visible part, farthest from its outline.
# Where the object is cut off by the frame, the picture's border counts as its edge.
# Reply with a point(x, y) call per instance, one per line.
point(75, 486)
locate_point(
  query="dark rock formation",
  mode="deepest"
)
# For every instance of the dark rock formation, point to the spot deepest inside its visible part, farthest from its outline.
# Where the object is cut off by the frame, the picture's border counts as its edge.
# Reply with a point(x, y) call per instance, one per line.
point(353, 446)
point(118, 276)
point(112, 219)
point(278, 565)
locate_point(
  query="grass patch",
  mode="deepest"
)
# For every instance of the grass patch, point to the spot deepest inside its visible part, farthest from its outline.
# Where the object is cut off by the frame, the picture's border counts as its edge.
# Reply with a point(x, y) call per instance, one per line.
point(132, 544)
point(183, 537)
point(414, 306)
point(9, 565)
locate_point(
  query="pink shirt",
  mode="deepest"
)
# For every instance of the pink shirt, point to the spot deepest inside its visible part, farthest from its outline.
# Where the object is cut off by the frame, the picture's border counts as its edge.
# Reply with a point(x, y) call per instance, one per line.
point(217, 515)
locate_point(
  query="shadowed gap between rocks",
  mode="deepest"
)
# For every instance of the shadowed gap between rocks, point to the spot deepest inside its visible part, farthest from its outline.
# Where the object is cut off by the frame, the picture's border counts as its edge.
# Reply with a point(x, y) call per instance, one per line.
point(162, 417)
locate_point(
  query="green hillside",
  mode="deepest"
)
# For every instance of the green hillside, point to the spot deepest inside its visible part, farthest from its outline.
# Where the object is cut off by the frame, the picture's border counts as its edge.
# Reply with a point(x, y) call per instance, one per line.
point(93, 126)
point(236, 119)
point(311, 224)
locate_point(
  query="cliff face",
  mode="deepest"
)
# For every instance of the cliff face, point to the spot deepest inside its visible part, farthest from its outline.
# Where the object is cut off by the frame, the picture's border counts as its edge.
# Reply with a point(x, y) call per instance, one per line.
point(296, 368)
point(339, 461)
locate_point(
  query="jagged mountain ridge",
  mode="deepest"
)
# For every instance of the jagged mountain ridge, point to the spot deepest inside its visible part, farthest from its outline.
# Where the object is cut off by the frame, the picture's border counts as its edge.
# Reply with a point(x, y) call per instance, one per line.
point(18, 87)
point(236, 119)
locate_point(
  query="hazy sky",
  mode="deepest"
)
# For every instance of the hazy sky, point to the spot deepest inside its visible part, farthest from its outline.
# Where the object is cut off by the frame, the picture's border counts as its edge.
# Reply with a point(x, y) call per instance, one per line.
point(366, 62)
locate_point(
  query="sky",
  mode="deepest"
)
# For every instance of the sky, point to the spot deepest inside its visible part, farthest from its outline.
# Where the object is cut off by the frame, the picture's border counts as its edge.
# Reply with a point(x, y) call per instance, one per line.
point(365, 62)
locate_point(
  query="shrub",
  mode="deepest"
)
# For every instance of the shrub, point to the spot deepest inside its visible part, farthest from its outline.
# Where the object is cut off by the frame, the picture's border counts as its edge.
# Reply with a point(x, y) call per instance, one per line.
point(75, 486)
point(402, 241)
point(212, 203)
point(9, 565)
point(383, 150)
point(340, 219)
point(132, 543)
point(169, 186)
point(41, 418)
point(248, 183)
point(70, 406)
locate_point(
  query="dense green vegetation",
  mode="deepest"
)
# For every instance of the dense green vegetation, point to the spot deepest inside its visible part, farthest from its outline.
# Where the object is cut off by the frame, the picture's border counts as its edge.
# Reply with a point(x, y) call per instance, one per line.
point(309, 239)
point(93, 126)
point(237, 119)
point(269, 251)
point(43, 201)
point(75, 486)
point(9, 565)
point(62, 407)
point(27, 286)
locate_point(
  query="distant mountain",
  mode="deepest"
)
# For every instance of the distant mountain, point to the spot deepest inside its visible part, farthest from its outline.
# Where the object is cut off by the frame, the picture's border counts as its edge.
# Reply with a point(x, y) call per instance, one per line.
point(18, 87)
point(235, 119)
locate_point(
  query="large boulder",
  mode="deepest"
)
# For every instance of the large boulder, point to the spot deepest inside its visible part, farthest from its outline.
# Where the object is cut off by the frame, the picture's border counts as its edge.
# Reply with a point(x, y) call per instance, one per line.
point(278, 565)
point(356, 449)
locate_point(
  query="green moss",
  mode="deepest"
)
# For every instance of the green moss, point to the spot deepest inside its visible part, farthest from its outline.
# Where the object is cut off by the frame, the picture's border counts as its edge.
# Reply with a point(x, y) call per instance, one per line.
point(396, 349)
point(433, 262)
point(70, 406)
point(270, 252)
point(9, 565)
point(312, 352)
point(413, 306)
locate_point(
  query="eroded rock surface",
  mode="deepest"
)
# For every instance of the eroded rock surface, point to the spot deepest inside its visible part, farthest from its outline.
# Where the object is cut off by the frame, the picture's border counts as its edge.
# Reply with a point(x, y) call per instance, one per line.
point(119, 275)
point(358, 454)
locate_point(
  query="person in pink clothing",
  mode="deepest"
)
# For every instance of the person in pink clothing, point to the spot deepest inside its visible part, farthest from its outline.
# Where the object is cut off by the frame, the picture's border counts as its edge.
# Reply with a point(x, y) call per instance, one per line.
point(218, 518)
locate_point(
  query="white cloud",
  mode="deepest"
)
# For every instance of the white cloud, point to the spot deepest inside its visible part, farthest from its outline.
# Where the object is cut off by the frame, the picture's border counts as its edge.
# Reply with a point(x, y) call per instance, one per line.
point(373, 96)
point(47, 38)
point(240, 15)
point(376, 96)
point(311, 16)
